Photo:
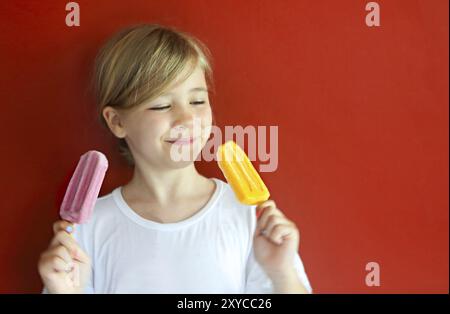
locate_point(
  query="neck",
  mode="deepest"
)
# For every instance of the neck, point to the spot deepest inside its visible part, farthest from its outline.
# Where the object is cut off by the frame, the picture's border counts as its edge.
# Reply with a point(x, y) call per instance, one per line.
point(162, 187)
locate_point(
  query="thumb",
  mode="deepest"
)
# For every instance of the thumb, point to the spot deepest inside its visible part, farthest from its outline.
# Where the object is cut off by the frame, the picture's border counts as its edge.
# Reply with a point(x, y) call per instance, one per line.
point(80, 256)
point(260, 210)
point(262, 206)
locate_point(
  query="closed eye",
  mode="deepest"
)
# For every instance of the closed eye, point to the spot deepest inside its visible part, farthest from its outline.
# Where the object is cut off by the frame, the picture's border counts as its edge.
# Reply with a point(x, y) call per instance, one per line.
point(200, 102)
point(160, 108)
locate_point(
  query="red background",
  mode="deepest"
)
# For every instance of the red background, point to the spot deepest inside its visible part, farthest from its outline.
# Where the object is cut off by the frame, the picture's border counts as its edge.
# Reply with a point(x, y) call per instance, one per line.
point(362, 115)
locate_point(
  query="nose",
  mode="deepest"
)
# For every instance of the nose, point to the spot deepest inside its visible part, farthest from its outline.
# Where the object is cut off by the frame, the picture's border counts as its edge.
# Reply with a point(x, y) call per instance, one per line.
point(184, 117)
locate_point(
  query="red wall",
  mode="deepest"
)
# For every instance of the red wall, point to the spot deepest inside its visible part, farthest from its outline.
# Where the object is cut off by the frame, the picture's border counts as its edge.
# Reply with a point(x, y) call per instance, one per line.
point(362, 115)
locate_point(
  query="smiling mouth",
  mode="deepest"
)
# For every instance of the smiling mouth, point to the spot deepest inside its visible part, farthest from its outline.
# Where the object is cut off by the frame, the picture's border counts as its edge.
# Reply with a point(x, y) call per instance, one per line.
point(182, 141)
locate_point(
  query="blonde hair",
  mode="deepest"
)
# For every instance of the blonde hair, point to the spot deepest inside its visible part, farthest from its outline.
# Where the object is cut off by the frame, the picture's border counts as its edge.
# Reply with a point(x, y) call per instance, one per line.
point(138, 63)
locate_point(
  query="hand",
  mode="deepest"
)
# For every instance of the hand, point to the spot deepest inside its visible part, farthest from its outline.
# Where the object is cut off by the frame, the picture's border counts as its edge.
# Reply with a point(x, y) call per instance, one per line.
point(276, 241)
point(64, 267)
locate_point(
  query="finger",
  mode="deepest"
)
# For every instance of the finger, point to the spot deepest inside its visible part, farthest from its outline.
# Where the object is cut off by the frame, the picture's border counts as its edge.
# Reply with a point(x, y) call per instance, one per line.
point(268, 203)
point(280, 231)
point(272, 221)
point(63, 225)
point(65, 239)
point(58, 264)
point(81, 256)
point(51, 263)
point(264, 205)
point(62, 253)
point(271, 211)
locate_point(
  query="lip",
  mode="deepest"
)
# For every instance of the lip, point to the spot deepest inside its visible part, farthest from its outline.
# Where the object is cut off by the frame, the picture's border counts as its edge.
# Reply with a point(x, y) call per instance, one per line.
point(182, 141)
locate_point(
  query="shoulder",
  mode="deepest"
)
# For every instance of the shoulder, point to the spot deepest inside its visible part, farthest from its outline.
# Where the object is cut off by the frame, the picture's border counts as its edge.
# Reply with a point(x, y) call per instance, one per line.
point(104, 204)
point(105, 210)
point(229, 199)
point(232, 210)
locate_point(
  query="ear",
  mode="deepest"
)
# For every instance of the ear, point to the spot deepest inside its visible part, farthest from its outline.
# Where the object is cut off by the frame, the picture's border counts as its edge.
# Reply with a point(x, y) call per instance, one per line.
point(114, 121)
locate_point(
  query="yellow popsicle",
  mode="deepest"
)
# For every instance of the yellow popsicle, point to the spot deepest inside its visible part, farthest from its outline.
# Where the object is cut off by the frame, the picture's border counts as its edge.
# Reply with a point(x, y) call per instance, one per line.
point(241, 175)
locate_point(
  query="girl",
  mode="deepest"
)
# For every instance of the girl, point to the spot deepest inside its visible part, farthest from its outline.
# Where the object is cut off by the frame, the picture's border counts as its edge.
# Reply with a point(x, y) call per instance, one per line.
point(170, 229)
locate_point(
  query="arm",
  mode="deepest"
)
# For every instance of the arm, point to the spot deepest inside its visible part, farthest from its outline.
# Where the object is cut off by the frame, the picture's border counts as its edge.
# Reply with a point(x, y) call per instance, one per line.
point(276, 243)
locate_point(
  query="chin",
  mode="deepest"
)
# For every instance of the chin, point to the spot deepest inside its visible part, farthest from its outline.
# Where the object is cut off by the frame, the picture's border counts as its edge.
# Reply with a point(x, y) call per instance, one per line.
point(180, 164)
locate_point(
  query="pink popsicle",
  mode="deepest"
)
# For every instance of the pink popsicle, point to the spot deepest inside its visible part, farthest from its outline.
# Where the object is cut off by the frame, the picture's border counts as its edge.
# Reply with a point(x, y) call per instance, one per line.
point(84, 186)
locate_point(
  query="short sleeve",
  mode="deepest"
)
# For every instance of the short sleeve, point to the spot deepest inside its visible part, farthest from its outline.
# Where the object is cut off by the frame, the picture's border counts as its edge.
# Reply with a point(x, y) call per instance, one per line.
point(80, 236)
point(257, 282)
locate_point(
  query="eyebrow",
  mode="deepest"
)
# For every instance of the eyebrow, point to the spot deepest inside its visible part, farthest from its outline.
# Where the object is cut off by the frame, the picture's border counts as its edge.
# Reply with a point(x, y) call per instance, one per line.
point(195, 89)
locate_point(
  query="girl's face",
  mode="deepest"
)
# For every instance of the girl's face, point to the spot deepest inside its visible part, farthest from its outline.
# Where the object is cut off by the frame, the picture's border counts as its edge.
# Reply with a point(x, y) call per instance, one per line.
point(182, 113)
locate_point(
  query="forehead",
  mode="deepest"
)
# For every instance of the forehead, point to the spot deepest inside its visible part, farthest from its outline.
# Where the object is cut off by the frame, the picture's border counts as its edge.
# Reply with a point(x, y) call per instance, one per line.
point(192, 82)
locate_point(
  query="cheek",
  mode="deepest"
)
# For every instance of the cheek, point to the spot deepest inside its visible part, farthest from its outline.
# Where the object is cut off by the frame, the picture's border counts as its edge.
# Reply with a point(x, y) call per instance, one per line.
point(153, 127)
point(206, 124)
point(206, 116)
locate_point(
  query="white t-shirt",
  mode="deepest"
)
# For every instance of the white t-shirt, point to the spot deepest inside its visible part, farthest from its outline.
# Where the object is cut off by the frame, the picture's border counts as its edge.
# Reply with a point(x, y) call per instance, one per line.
point(210, 252)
